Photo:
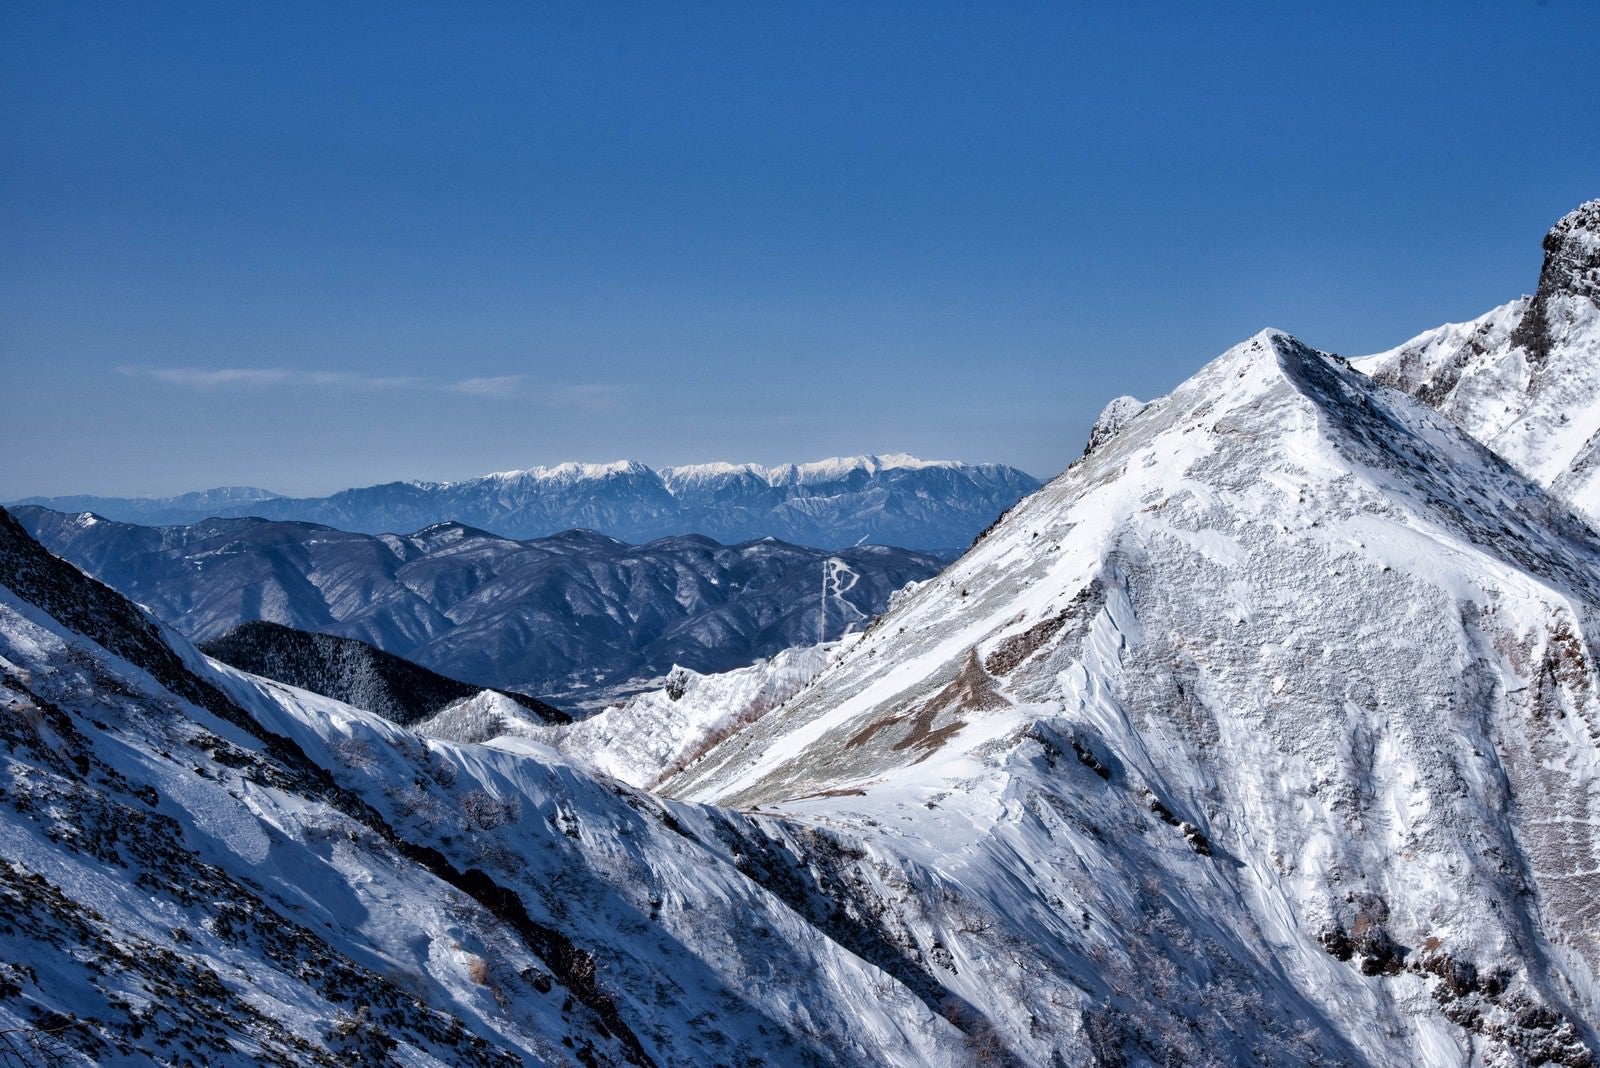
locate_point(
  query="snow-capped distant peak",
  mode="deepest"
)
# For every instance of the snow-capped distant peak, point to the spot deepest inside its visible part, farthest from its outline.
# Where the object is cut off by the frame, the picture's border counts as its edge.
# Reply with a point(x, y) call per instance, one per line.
point(814, 471)
point(571, 471)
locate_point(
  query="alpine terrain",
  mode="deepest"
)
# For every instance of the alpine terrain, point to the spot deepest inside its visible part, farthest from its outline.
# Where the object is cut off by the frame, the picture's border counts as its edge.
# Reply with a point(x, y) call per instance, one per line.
point(1268, 733)
point(359, 674)
point(931, 505)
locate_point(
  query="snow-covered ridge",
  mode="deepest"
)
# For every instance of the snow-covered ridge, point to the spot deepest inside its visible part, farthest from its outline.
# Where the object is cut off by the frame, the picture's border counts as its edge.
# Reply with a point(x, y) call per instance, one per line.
point(1312, 633)
point(654, 735)
point(569, 472)
point(837, 467)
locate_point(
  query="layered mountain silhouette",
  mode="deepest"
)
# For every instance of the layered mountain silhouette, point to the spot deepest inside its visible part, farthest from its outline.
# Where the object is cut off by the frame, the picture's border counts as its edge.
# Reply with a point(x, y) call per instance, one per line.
point(575, 618)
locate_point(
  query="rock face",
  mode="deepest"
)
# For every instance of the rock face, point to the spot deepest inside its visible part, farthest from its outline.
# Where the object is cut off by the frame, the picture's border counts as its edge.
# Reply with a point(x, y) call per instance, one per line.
point(577, 618)
point(931, 505)
point(1524, 379)
point(1570, 277)
point(1284, 697)
point(1111, 419)
point(355, 673)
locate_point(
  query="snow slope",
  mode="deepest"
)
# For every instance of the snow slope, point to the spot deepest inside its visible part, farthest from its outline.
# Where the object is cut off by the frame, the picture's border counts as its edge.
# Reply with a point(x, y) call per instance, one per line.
point(1269, 731)
point(654, 734)
point(1524, 379)
point(1267, 734)
point(202, 866)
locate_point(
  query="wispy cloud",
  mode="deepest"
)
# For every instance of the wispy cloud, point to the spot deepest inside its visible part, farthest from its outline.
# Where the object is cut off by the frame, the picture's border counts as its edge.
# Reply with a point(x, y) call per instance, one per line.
point(489, 385)
point(207, 378)
point(201, 378)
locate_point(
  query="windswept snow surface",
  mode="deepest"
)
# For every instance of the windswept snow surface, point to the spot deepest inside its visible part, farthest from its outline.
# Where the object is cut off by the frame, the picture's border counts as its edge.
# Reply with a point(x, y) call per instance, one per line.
point(200, 865)
point(1268, 732)
point(655, 734)
point(1524, 379)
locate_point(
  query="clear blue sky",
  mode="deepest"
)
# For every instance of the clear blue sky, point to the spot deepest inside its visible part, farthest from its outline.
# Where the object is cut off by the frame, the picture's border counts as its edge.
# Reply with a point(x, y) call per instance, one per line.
point(307, 246)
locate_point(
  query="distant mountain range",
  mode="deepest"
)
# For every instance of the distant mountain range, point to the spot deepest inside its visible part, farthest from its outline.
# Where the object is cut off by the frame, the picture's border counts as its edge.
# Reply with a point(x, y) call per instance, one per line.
point(573, 618)
point(931, 505)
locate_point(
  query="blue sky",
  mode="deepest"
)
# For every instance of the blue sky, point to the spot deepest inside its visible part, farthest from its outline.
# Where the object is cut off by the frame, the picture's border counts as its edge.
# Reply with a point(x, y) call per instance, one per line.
point(313, 246)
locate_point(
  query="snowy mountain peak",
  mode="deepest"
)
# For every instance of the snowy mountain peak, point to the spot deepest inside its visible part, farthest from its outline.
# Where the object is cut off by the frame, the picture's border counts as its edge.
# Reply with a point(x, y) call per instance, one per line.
point(1324, 655)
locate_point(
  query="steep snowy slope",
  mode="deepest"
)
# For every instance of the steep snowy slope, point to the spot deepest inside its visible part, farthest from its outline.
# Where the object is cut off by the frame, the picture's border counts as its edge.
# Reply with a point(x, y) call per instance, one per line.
point(934, 505)
point(1524, 379)
point(201, 866)
point(577, 618)
point(1269, 732)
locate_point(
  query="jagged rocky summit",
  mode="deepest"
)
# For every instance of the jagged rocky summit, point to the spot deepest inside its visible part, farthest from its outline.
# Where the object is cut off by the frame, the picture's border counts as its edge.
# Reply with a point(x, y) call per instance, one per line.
point(930, 505)
point(1524, 378)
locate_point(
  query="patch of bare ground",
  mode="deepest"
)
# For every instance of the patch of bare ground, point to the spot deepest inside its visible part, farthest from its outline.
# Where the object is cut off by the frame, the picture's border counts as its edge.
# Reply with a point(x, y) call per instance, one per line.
point(972, 690)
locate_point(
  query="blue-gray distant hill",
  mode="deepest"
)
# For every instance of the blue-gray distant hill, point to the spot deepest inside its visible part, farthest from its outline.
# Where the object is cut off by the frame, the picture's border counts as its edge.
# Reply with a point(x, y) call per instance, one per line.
point(572, 618)
point(935, 506)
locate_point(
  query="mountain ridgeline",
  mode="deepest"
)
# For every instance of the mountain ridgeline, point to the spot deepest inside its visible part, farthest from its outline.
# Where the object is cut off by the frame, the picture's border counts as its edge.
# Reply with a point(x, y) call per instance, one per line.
point(1524, 378)
point(933, 506)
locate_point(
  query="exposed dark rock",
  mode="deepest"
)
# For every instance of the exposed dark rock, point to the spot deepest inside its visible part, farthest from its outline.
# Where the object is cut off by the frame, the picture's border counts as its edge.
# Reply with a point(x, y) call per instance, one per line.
point(1571, 269)
point(353, 672)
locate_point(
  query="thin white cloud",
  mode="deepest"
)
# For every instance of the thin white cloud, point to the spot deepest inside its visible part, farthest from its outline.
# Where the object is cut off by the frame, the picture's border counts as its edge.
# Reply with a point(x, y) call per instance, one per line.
point(206, 378)
point(489, 385)
point(203, 378)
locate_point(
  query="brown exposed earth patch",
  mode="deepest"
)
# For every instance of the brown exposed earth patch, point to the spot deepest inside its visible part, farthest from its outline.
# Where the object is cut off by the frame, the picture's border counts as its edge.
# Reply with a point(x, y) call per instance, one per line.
point(972, 690)
point(1018, 647)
